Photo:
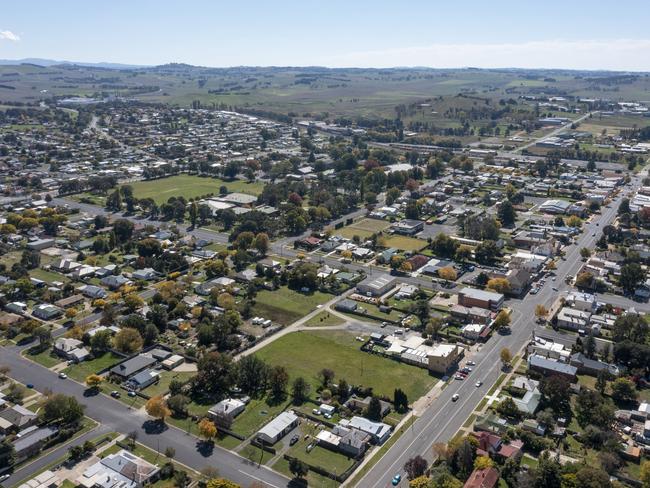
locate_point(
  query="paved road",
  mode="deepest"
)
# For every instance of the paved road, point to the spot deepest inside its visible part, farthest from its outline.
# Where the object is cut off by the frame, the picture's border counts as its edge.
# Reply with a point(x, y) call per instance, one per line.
point(443, 418)
point(554, 132)
point(116, 416)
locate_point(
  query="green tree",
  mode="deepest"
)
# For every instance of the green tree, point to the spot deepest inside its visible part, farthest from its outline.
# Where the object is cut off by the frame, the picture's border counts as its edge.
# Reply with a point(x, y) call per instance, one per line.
point(507, 214)
point(631, 275)
point(624, 390)
point(63, 408)
point(298, 468)
point(299, 390)
point(373, 412)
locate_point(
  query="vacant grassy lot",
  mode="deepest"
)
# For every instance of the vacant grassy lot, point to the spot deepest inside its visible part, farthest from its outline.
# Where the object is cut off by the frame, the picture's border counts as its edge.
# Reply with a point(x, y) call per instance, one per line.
point(364, 228)
point(324, 319)
point(406, 243)
point(305, 353)
point(319, 456)
point(47, 276)
point(189, 186)
point(285, 306)
point(80, 371)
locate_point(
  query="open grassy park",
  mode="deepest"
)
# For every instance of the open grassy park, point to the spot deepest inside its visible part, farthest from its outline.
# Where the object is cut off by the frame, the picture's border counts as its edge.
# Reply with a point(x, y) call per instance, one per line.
point(305, 353)
point(190, 186)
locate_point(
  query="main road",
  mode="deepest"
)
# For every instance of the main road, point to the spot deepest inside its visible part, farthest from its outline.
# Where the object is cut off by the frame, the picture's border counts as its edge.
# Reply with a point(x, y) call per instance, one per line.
point(441, 421)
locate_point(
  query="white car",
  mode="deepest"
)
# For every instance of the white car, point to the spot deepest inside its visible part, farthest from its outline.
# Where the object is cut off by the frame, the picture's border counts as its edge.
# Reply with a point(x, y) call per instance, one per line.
point(455, 397)
point(62, 375)
point(479, 384)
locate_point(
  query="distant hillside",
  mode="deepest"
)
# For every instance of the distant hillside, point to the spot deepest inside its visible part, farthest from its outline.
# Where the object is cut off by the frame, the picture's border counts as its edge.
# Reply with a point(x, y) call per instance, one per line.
point(53, 62)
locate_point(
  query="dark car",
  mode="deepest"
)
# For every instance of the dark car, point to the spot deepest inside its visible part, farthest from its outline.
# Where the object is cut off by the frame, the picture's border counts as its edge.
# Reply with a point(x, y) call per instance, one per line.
point(293, 440)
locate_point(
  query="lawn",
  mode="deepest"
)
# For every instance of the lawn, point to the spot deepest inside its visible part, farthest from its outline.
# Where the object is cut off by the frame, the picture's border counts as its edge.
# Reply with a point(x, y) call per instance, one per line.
point(324, 319)
point(45, 358)
point(166, 378)
point(406, 243)
point(313, 479)
point(80, 371)
point(47, 276)
point(257, 413)
point(189, 186)
point(319, 456)
point(364, 228)
point(305, 353)
point(285, 306)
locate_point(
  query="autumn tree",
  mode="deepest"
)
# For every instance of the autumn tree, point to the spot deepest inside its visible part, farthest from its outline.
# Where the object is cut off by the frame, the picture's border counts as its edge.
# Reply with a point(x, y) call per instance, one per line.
point(207, 429)
point(448, 273)
point(506, 356)
point(540, 311)
point(499, 285)
point(93, 381)
point(502, 320)
point(157, 407)
point(128, 340)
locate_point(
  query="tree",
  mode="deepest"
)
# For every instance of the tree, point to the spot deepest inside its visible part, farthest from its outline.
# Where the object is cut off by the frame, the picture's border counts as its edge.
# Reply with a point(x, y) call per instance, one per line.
point(508, 408)
point(462, 462)
point(585, 252)
point(448, 273)
point(93, 381)
point(631, 275)
point(62, 408)
point(261, 243)
point(252, 374)
point(133, 302)
point(556, 392)
point(207, 429)
point(624, 390)
point(540, 311)
point(278, 381)
point(415, 467)
point(420, 482)
point(101, 341)
point(547, 473)
point(157, 407)
point(299, 390)
point(326, 377)
point(502, 320)
point(194, 213)
point(592, 408)
point(215, 374)
point(506, 213)
point(499, 285)
point(373, 412)
point(128, 340)
point(506, 357)
point(7, 453)
point(630, 326)
point(400, 400)
point(592, 477)
point(585, 280)
point(483, 462)
point(123, 230)
point(298, 468)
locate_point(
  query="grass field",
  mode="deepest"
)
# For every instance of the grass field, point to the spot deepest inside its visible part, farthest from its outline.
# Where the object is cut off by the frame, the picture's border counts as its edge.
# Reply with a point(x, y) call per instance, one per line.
point(189, 186)
point(364, 228)
point(406, 243)
point(324, 319)
point(313, 478)
point(47, 276)
point(285, 306)
point(166, 378)
point(306, 353)
point(257, 413)
point(319, 456)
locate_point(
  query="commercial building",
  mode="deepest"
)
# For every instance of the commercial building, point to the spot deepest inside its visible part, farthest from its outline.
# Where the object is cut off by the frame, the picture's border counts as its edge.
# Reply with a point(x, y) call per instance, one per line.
point(376, 286)
point(277, 428)
point(471, 297)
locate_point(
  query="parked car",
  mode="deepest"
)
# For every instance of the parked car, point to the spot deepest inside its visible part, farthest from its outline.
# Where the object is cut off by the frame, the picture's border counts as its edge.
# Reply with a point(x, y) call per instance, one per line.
point(115, 394)
point(29, 385)
point(294, 439)
point(62, 375)
point(131, 393)
point(471, 363)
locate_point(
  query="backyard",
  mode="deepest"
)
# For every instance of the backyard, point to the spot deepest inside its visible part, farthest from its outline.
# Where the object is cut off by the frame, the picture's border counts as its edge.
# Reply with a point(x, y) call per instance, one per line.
point(305, 353)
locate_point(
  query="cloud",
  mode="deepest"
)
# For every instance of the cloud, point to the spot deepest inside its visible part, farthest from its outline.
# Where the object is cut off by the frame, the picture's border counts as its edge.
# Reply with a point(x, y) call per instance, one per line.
point(615, 54)
point(7, 35)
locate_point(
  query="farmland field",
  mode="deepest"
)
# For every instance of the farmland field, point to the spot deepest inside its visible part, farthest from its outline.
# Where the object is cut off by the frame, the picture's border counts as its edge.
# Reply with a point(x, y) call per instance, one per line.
point(189, 186)
point(306, 353)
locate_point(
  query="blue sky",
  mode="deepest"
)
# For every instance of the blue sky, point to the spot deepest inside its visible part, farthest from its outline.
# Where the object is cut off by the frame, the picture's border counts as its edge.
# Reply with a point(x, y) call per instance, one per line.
point(559, 34)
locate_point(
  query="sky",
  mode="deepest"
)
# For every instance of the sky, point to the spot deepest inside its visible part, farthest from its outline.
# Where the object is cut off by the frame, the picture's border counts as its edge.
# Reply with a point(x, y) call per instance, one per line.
point(573, 34)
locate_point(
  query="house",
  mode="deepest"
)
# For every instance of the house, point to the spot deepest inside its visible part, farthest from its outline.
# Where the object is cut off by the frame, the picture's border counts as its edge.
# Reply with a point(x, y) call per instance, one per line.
point(277, 428)
point(346, 305)
point(246, 275)
point(19, 417)
point(120, 470)
point(378, 431)
point(555, 207)
point(376, 286)
point(40, 244)
point(142, 379)
point(592, 367)
point(471, 297)
point(358, 404)
point(348, 441)
point(71, 349)
point(30, 443)
point(585, 302)
point(224, 413)
point(114, 282)
point(173, 361)
point(145, 274)
point(70, 301)
point(474, 331)
point(132, 366)
point(310, 243)
point(65, 265)
point(519, 279)
point(46, 311)
point(471, 314)
point(483, 478)
point(549, 367)
point(530, 401)
point(207, 286)
point(92, 291)
point(9, 319)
